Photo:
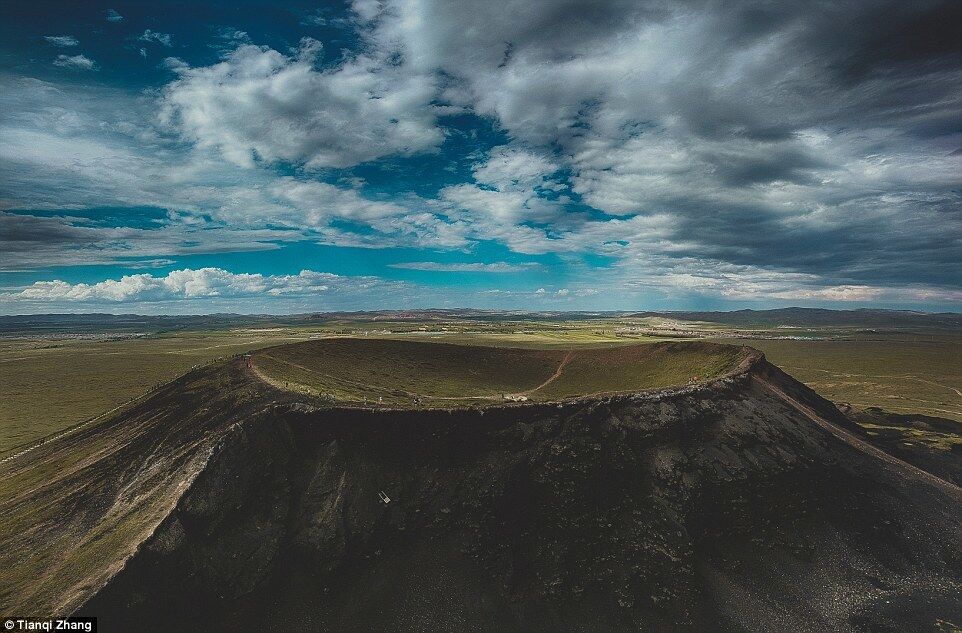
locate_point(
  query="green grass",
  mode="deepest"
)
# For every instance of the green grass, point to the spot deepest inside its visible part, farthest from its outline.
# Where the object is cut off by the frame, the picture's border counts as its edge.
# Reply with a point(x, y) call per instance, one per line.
point(937, 440)
point(442, 374)
point(902, 376)
point(645, 366)
point(51, 385)
point(77, 506)
point(48, 385)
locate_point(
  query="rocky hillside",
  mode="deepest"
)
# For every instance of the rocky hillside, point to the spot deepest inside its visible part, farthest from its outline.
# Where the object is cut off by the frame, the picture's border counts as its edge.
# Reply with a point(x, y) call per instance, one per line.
point(747, 503)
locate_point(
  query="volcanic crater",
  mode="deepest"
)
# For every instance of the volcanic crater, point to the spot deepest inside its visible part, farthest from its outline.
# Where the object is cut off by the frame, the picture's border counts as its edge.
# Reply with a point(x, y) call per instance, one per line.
point(359, 484)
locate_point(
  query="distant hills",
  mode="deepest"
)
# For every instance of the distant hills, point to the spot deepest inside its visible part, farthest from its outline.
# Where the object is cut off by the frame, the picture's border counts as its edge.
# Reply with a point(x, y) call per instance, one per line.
point(808, 317)
point(797, 317)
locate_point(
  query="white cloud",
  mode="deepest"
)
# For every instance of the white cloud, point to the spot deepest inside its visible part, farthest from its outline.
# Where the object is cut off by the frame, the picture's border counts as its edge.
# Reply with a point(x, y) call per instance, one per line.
point(184, 284)
point(63, 41)
point(509, 182)
point(261, 104)
point(175, 64)
point(466, 267)
point(75, 62)
point(154, 36)
point(113, 16)
point(846, 292)
point(509, 168)
point(563, 294)
point(717, 173)
point(502, 206)
point(317, 202)
point(418, 228)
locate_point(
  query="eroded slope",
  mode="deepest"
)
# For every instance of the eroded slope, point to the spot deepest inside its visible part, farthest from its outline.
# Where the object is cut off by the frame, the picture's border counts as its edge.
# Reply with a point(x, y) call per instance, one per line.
point(716, 507)
point(73, 510)
point(741, 503)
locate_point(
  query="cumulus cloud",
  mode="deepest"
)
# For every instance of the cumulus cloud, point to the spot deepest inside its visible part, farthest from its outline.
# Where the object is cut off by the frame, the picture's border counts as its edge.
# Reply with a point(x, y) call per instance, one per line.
point(811, 142)
point(262, 105)
point(317, 201)
point(183, 284)
point(502, 206)
point(564, 294)
point(466, 267)
point(154, 36)
point(744, 152)
point(507, 189)
point(63, 41)
point(75, 62)
point(510, 168)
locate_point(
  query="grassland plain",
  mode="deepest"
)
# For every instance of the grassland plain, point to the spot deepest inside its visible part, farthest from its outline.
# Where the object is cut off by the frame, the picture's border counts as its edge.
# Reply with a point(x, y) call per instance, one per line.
point(49, 385)
point(907, 375)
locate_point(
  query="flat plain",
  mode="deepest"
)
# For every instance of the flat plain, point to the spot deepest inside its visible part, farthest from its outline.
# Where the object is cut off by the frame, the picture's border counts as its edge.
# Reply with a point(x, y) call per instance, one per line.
point(50, 382)
point(903, 375)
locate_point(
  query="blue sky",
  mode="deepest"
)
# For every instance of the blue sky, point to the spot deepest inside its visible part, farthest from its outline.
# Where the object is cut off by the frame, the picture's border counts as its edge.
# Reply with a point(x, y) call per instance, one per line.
point(294, 156)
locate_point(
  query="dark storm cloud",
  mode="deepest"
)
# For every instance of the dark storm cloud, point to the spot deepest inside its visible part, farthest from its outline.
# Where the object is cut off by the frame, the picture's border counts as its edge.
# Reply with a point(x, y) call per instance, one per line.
point(913, 247)
point(30, 229)
point(886, 38)
point(779, 164)
point(29, 241)
point(840, 63)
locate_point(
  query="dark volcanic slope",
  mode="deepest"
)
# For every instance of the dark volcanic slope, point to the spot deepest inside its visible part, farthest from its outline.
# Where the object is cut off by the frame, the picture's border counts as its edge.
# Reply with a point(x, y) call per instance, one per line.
point(73, 509)
point(744, 504)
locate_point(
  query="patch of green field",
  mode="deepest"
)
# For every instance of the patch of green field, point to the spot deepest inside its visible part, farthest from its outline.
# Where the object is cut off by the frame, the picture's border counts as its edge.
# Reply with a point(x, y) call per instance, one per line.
point(441, 374)
point(50, 385)
point(937, 440)
point(532, 339)
point(75, 507)
point(903, 376)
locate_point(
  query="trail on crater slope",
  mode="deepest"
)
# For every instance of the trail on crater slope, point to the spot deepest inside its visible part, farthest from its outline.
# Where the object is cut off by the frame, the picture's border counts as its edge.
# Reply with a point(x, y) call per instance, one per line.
point(860, 444)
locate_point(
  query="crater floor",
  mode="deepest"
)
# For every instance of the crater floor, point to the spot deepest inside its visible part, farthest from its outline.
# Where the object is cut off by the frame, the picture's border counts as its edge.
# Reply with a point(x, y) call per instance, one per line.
point(441, 375)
